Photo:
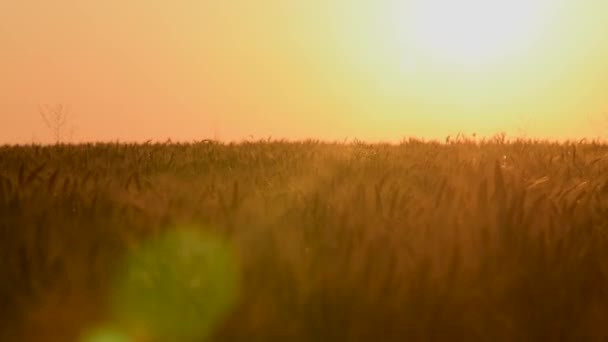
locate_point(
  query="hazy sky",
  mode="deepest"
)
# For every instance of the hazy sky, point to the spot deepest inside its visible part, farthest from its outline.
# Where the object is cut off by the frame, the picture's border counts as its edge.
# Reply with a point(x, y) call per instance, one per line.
point(152, 69)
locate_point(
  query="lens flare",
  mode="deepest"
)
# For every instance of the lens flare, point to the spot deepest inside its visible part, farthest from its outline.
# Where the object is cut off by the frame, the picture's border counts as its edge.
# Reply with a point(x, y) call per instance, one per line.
point(106, 335)
point(176, 287)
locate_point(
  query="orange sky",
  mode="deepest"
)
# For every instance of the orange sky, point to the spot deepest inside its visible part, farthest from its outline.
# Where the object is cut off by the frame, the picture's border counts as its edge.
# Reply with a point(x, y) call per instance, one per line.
point(331, 69)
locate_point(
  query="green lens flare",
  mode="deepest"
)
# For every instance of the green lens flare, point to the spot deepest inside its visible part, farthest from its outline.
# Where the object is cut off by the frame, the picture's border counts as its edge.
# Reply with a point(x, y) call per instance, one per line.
point(106, 335)
point(176, 287)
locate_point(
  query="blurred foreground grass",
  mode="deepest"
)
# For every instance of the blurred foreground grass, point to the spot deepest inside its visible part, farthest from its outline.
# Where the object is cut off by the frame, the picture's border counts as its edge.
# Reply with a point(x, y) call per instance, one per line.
point(304, 241)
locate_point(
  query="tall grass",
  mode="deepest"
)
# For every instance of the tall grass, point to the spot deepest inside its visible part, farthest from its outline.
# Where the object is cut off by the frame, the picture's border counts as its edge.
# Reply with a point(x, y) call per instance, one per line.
point(466, 240)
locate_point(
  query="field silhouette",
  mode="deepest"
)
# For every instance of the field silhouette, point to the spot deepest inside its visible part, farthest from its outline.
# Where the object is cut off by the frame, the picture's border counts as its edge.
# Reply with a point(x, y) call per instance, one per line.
point(305, 241)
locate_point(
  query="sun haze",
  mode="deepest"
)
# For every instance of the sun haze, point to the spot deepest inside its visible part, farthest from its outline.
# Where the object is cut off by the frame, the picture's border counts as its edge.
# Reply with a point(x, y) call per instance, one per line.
point(328, 69)
point(473, 32)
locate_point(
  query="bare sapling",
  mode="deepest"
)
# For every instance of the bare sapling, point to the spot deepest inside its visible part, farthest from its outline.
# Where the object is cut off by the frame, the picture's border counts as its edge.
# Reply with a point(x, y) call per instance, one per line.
point(56, 118)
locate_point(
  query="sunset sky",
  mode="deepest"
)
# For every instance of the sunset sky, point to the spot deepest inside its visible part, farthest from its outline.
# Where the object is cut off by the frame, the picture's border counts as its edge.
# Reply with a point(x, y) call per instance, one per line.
point(330, 69)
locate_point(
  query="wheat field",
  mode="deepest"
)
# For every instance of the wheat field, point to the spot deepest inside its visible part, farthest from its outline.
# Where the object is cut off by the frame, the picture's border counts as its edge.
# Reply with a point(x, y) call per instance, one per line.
point(465, 240)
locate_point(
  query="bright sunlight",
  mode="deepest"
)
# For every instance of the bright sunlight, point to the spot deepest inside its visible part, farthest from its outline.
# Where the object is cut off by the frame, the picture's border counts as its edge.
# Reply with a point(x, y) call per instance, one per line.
point(470, 33)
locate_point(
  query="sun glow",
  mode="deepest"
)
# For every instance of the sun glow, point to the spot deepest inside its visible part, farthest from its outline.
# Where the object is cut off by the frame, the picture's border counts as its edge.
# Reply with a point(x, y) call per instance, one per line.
point(469, 32)
point(476, 64)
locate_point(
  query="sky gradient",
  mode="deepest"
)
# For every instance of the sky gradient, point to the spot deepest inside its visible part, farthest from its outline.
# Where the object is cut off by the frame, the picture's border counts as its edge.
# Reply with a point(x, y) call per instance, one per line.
point(329, 69)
